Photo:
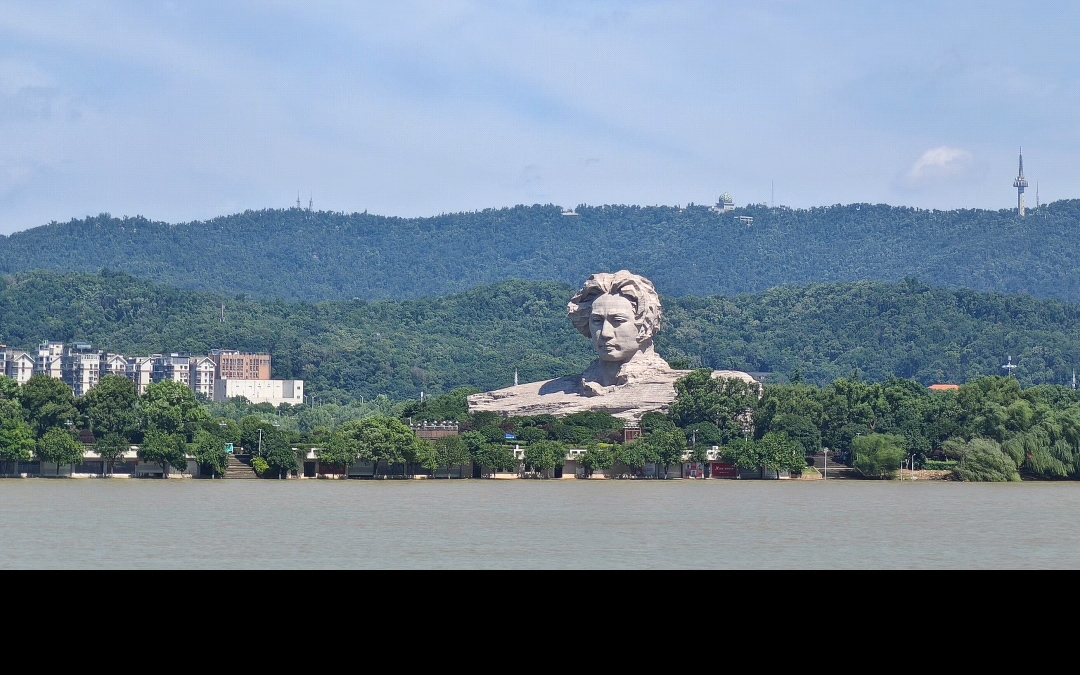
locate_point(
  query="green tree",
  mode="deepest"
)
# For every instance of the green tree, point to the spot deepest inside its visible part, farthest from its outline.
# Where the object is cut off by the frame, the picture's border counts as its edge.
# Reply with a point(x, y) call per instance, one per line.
point(341, 450)
point(596, 457)
point(112, 407)
point(209, 450)
point(665, 448)
point(728, 403)
point(545, 457)
point(110, 448)
point(48, 402)
point(9, 389)
point(532, 434)
point(165, 449)
point(632, 455)
point(427, 456)
point(60, 447)
point(382, 439)
point(799, 429)
point(495, 457)
point(878, 455)
point(981, 459)
point(171, 408)
point(452, 451)
point(778, 452)
point(16, 441)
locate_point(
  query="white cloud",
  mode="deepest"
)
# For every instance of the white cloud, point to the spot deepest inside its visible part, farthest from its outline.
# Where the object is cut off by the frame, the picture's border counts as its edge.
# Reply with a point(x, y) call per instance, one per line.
point(940, 163)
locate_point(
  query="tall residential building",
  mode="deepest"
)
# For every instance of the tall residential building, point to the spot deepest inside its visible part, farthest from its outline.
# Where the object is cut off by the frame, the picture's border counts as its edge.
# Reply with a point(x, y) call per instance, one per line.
point(49, 356)
point(172, 367)
point(19, 365)
point(140, 370)
point(113, 364)
point(234, 365)
point(202, 370)
point(80, 367)
point(16, 364)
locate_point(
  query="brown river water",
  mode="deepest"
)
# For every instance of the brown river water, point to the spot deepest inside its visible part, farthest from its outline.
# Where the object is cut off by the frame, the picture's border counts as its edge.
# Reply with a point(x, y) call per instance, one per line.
point(536, 524)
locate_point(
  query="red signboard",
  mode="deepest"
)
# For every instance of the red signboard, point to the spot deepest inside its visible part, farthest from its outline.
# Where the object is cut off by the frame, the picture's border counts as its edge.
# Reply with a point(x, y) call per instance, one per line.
point(721, 470)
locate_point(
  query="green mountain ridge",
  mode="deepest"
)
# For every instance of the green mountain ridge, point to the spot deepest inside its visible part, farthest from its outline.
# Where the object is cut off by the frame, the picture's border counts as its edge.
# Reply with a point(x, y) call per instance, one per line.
point(295, 254)
point(478, 338)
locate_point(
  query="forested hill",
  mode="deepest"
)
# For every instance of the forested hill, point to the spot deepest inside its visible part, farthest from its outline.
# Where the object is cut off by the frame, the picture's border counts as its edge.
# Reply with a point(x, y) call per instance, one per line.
point(294, 254)
point(478, 338)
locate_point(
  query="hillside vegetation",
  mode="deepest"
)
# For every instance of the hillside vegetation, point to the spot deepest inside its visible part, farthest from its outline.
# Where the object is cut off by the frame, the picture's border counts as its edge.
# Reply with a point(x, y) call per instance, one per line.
point(297, 255)
point(478, 338)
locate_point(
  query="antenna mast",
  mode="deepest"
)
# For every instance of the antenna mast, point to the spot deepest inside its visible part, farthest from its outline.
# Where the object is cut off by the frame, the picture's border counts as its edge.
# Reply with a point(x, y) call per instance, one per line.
point(222, 312)
point(1020, 183)
point(1010, 367)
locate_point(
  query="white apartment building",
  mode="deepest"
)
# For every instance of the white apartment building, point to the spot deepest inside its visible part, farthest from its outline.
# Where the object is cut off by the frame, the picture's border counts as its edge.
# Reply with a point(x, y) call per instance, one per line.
point(201, 371)
point(274, 392)
point(140, 370)
point(80, 368)
point(49, 357)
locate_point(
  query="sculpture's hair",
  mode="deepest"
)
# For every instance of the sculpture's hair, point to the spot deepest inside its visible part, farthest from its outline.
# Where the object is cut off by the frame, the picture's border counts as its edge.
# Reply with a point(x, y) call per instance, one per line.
point(635, 288)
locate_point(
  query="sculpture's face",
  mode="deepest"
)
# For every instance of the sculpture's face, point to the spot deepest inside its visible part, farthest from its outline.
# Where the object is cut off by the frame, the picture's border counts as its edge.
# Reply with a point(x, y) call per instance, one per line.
point(614, 331)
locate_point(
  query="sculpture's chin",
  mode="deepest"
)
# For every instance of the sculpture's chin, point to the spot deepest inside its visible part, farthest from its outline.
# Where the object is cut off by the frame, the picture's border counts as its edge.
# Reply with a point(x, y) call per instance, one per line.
point(614, 358)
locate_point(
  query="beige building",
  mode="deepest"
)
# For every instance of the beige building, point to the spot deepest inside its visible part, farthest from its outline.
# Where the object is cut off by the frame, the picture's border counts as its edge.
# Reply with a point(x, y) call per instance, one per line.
point(234, 365)
point(113, 364)
point(140, 370)
point(18, 365)
point(274, 392)
point(202, 370)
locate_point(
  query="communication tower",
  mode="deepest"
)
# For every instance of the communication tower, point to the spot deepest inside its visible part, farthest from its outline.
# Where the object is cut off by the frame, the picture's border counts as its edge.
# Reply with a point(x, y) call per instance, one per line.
point(1020, 183)
point(1010, 367)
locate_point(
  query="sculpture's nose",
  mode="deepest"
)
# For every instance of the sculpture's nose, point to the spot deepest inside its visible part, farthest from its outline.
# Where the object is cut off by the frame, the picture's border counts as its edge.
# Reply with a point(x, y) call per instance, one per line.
point(607, 331)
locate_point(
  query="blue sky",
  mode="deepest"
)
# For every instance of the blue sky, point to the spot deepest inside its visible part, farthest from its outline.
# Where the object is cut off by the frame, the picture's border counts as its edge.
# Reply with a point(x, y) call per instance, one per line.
point(188, 110)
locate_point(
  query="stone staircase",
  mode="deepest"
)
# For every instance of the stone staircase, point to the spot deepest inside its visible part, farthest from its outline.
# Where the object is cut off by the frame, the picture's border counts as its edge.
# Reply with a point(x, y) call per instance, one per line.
point(837, 471)
point(240, 469)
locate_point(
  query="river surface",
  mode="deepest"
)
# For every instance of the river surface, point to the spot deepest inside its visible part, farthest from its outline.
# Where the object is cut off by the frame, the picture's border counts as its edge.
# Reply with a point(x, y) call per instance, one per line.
point(529, 524)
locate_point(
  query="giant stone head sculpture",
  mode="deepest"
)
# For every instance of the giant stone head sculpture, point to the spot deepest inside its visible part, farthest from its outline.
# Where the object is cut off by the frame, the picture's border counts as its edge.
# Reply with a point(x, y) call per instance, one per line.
point(619, 312)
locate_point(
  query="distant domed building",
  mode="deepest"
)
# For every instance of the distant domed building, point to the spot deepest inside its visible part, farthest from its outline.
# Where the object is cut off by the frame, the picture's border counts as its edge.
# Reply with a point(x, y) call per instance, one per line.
point(724, 204)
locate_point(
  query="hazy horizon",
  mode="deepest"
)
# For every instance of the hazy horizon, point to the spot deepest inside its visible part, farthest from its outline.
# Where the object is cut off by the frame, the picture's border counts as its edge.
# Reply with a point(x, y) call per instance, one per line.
point(188, 111)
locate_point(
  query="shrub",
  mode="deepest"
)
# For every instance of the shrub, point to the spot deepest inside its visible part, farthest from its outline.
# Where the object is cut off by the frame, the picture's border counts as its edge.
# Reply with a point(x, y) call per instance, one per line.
point(936, 465)
point(260, 466)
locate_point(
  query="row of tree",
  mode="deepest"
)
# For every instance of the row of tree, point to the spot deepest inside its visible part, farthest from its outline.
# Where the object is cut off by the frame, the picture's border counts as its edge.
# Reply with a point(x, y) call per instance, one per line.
point(348, 352)
point(298, 255)
point(988, 429)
